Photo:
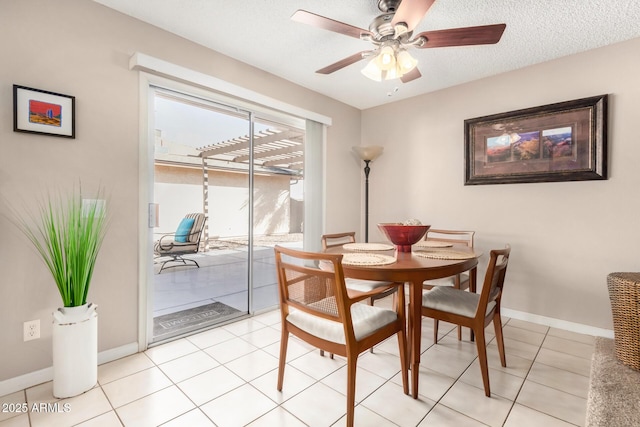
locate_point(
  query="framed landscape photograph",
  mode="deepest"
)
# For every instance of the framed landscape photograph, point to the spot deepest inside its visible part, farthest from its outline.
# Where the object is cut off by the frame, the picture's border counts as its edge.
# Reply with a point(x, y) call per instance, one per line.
point(42, 112)
point(566, 141)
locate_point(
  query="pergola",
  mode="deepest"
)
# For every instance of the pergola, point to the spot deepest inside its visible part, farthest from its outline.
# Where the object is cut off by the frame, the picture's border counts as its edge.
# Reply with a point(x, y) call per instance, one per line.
point(271, 149)
point(275, 151)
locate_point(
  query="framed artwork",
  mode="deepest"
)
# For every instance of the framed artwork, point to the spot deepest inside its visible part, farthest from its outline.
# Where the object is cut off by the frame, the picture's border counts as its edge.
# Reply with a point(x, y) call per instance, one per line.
point(43, 112)
point(566, 141)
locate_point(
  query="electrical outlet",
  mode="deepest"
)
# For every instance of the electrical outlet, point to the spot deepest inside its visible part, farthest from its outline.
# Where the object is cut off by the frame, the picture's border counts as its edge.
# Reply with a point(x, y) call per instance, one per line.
point(32, 330)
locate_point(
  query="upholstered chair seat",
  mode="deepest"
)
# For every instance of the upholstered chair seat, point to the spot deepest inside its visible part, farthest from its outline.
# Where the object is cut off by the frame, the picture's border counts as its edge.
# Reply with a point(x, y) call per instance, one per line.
point(366, 319)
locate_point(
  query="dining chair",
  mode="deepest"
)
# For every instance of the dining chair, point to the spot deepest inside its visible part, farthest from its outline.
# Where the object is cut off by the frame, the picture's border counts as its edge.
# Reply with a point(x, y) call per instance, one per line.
point(339, 239)
point(450, 237)
point(473, 310)
point(317, 307)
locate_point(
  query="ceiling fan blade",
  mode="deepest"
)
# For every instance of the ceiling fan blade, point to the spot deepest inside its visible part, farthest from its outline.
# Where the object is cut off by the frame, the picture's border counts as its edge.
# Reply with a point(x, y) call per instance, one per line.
point(344, 62)
point(411, 12)
point(484, 34)
point(411, 75)
point(329, 24)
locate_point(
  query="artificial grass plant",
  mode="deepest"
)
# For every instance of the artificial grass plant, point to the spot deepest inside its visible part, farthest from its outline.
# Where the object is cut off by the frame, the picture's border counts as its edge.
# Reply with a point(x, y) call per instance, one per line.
point(68, 233)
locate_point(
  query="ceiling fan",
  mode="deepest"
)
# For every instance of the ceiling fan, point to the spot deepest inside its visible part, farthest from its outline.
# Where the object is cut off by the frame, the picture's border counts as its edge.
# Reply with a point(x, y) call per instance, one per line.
point(392, 36)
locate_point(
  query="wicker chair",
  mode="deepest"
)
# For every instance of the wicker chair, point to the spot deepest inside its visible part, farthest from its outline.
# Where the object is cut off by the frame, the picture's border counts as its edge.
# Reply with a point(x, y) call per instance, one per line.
point(316, 307)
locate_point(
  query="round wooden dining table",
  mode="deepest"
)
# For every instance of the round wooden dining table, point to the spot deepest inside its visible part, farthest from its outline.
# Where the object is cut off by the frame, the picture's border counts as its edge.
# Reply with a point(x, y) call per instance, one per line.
point(413, 269)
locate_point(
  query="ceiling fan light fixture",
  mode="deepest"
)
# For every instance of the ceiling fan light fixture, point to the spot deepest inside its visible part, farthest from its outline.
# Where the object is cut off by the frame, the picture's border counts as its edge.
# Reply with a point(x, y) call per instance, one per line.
point(390, 62)
point(391, 74)
point(372, 71)
point(391, 35)
point(406, 62)
point(386, 59)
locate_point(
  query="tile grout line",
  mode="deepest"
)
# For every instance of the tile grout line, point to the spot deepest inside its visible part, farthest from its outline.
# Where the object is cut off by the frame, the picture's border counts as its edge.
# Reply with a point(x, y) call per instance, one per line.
point(438, 402)
point(527, 375)
point(546, 334)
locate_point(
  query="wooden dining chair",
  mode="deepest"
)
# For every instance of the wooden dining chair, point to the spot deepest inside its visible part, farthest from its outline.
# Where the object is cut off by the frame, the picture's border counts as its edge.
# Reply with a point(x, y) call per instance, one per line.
point(317, 307)
point(450, 237)
point(359, 285)
point(473, 310)
point(339, 239)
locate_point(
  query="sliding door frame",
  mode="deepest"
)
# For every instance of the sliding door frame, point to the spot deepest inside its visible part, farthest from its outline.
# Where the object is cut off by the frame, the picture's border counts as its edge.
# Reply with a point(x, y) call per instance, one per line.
point(288, 115)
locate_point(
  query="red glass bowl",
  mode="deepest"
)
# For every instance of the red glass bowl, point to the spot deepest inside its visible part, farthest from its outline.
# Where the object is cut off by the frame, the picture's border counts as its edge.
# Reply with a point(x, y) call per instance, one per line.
point(403, 236)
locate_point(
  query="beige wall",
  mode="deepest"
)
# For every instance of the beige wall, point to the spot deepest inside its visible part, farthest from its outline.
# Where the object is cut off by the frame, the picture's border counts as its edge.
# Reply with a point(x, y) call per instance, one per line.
point(178, 190)
point(566, 237)
point(81, 48)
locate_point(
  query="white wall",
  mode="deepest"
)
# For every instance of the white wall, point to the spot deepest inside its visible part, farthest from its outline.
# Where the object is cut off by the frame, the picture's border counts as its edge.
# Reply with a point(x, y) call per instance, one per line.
point(567, 236)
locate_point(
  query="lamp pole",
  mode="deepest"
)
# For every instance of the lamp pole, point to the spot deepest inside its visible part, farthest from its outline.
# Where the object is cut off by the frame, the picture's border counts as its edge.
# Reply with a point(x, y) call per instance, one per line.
point(368, 154)
point(367, 169)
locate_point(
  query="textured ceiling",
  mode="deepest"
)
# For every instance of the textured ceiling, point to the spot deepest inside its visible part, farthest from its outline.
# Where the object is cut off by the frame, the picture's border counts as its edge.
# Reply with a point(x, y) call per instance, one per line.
point(261, 33)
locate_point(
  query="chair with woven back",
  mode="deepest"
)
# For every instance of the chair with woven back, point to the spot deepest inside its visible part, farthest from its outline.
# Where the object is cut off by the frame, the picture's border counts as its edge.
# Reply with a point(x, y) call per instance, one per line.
point(318, 308)
point(339, 239)
point(473, 310)
point(444, 238)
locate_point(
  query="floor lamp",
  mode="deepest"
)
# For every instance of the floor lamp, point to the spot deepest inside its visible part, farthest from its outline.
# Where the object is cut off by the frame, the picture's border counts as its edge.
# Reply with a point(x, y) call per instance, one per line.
point(368, 154)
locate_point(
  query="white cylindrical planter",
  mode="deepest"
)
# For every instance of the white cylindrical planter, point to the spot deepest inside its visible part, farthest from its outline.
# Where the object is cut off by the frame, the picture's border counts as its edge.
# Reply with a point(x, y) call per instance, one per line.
point(75, 350)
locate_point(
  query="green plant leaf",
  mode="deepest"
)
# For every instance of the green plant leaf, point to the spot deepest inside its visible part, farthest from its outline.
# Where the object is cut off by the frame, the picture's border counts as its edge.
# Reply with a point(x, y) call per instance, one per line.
point(68, 233)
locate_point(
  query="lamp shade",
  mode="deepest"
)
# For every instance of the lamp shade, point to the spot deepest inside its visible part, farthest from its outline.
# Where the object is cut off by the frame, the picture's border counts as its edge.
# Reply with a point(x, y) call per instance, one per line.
point(370, 153)
point(386, 59)
point(390, 63)
point(406, 62)
point(372, 71)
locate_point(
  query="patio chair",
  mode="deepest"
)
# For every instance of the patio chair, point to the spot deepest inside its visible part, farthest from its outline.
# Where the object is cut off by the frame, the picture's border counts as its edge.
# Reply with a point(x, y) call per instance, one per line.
point(185, 241)
point(317, 308)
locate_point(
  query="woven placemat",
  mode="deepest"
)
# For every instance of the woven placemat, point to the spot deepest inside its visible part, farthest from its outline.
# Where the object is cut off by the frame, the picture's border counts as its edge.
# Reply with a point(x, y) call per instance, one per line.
point(367, 246)
point(444, 254)
point(367, 259)
point(433, 244)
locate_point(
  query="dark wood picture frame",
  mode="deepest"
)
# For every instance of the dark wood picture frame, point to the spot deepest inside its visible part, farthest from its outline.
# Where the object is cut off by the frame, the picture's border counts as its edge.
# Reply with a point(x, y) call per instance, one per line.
point(43, 112)
point(566, 141)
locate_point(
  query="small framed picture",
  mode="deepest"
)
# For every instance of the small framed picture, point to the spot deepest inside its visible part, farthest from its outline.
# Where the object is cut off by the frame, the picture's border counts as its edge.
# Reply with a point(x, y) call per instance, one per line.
point(43, 112)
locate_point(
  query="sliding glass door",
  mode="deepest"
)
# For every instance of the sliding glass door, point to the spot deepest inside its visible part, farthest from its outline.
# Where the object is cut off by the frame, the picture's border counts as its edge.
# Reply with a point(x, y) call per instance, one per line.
point(243, 172)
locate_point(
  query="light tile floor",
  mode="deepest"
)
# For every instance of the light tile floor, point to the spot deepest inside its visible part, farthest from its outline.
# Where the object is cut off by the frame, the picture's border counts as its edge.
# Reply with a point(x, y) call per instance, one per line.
point(227, 377)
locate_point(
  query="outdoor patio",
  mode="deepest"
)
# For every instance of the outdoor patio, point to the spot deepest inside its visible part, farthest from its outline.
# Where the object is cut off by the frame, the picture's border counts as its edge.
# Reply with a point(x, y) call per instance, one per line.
point(221, 278)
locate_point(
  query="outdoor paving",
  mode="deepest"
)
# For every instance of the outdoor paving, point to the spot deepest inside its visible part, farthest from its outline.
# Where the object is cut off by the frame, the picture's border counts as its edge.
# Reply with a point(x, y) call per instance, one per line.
point(222, 276)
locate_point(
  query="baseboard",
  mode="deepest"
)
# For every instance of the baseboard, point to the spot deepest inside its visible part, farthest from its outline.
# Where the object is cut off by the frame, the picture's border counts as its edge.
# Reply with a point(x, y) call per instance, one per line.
point(557, 323)
point(43, 375)
point(117, 353)
point(25, 381)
